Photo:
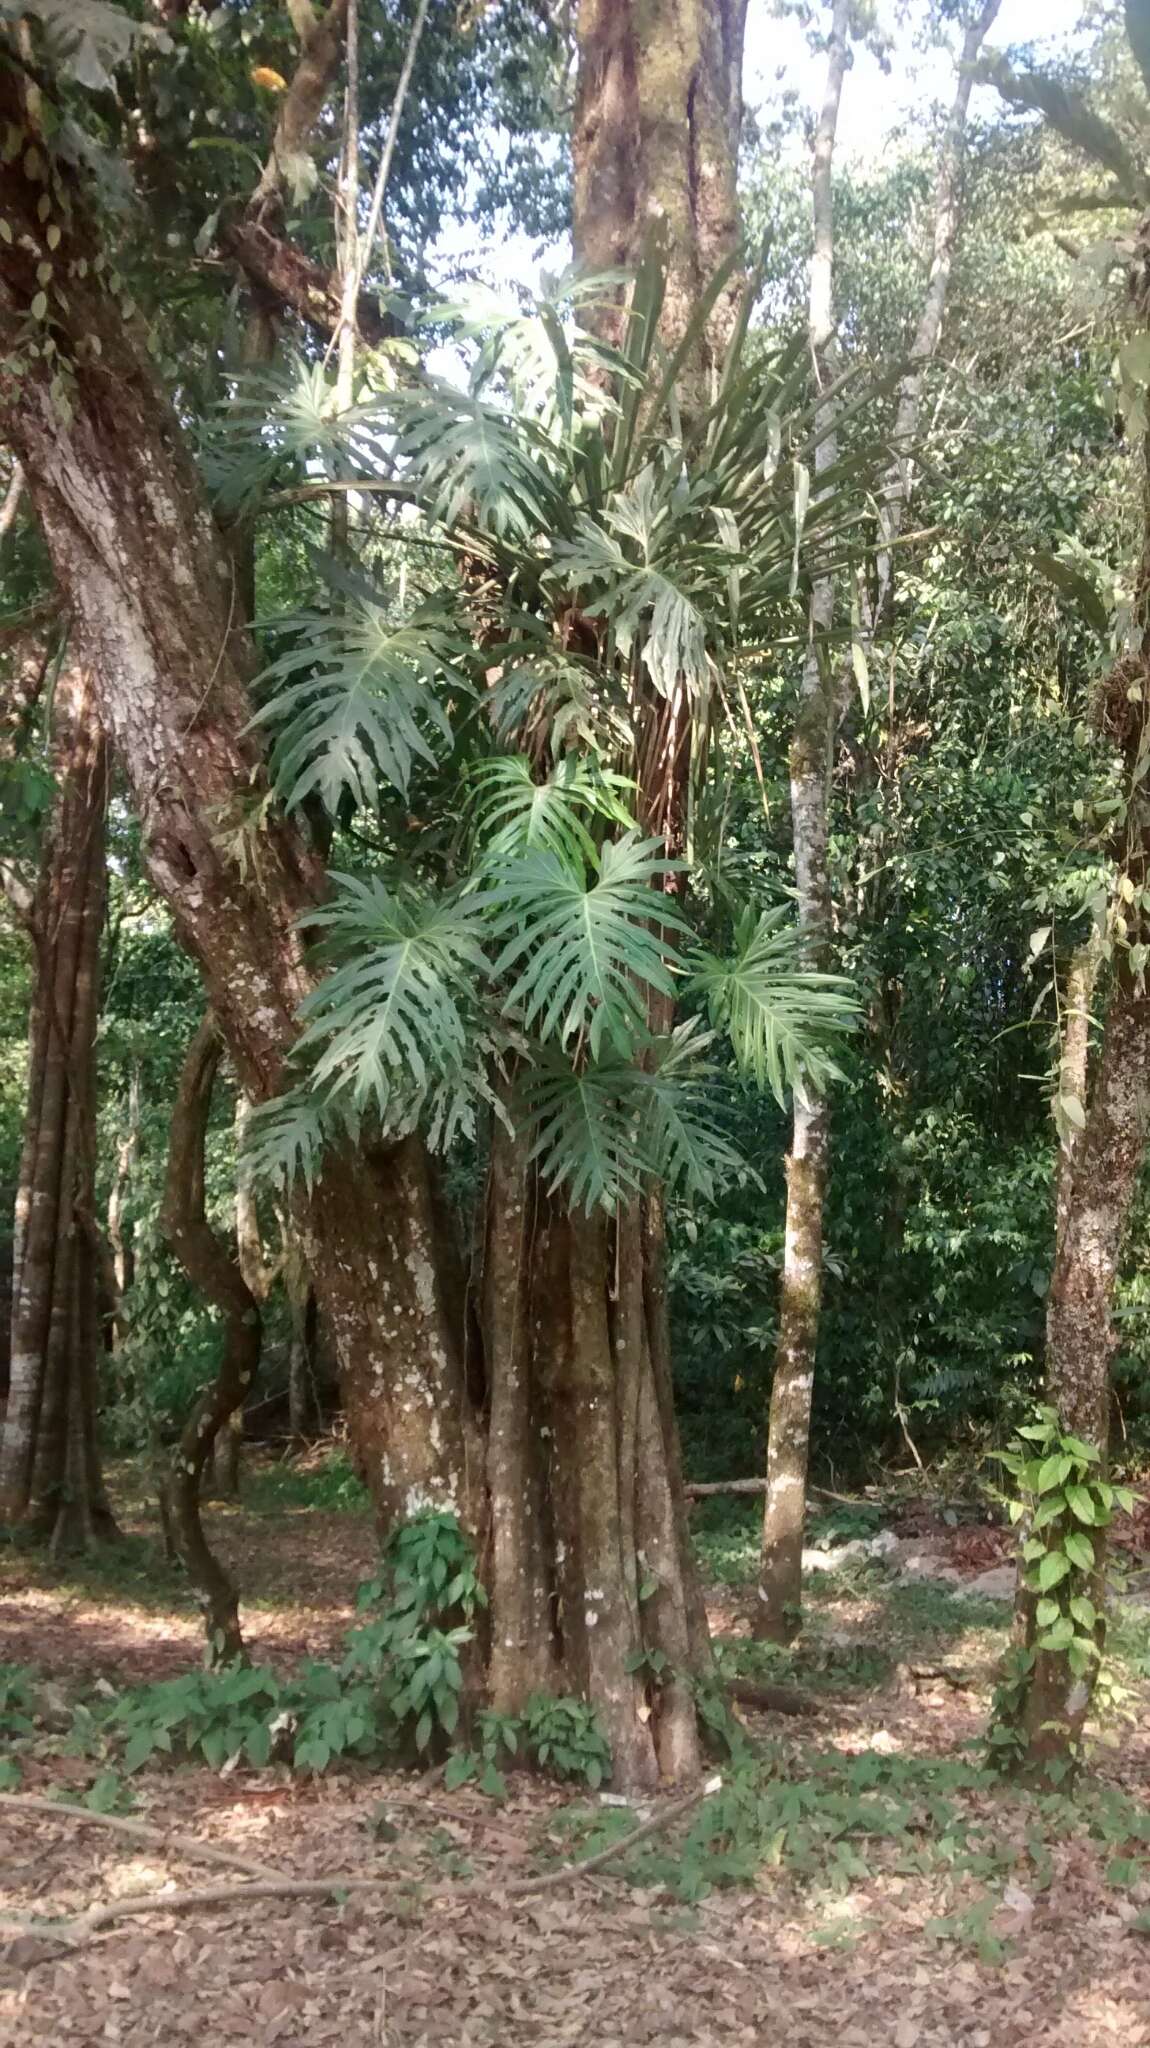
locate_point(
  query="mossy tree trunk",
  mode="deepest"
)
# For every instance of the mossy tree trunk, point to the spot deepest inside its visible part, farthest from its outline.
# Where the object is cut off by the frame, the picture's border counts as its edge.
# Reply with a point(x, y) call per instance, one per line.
point(780, 1578)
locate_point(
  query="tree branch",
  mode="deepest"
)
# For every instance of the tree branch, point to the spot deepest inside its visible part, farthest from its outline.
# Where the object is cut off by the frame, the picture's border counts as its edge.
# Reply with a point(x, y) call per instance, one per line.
point(1071, 116)
point(161, 1838)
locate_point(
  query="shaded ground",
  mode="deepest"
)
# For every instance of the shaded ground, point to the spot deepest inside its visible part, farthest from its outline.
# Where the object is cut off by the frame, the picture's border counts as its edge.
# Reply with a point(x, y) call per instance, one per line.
point(894, 1897)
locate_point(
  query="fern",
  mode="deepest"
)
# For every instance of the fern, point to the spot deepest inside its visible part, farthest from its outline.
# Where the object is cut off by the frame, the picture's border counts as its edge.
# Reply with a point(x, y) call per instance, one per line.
point(779, 1017)
point(352, 702)
point(580, 946)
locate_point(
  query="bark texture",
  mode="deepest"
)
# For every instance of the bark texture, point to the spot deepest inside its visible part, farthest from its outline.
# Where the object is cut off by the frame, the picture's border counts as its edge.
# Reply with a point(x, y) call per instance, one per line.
point(153, 589)
point(49, 1470)
point(1080, 1337)
point(788, 1435)
point(1098, 1181)
point(216, 1275)
point(658, 109)
point(589, 1564)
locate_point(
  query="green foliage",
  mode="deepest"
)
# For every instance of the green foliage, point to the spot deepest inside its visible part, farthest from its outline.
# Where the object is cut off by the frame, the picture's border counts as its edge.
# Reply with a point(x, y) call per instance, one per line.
point(767, 1005)
point(352, 703)
point(562, 1736)
point(1063, 1506)
point(17, 1701)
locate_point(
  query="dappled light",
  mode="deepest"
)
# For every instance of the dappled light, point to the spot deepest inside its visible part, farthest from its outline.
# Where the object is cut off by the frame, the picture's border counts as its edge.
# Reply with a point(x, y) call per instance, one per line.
point(574, 1029)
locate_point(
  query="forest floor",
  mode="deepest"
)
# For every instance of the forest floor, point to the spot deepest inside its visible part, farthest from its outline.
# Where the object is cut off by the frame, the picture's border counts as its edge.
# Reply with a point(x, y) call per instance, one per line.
point(872, 1884)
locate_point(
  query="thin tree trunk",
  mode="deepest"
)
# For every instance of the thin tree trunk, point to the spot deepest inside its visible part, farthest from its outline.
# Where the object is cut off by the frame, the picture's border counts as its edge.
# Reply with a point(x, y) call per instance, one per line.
point(780, 1579)
point(1073, 1067)
point(217, 1276)
point(899, 482)
point(48, 1465)
point(127, 1155)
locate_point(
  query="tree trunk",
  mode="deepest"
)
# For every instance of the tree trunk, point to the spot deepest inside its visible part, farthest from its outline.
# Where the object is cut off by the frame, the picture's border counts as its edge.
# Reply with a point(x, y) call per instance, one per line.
point(658, 110)
point(49, 1470)
point(1073, 1068)
point(593, 1586)
point(212, 1270)
point(780, 1579)
point(153, 590)
point(592, 1581)
point(1080, 1337)
point(127, 1154)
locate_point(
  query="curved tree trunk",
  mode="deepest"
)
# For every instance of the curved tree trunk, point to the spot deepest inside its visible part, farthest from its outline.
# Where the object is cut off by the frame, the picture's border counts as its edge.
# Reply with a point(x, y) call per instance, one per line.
point(217, 1276)
point(153, 590)
point(49, 1470)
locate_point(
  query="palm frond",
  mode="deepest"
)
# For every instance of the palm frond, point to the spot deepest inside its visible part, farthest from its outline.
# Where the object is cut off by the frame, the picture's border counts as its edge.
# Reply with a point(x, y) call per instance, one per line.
point(393, 1023)
point(583, 942)
point(354, 699)
point(781, 1019)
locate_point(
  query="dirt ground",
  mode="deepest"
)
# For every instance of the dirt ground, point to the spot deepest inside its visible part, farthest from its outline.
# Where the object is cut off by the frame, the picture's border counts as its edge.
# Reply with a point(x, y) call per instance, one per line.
point(444, 1952)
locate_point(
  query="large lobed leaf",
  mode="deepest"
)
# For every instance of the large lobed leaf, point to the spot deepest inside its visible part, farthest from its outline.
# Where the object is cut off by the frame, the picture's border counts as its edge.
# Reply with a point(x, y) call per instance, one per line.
point(353, 701)
point(583, 943)
point(781, 1018)
point(394, 1021)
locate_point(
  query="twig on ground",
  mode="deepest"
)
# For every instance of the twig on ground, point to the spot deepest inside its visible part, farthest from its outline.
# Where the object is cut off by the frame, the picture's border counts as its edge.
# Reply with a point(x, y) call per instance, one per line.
point(658, 1821)
point(82, 1927)
point(186, 1846)
point(76, 1931)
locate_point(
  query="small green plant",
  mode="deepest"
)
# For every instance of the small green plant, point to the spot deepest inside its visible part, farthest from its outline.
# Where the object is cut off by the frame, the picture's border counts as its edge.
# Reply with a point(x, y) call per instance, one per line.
point(1063, 1506)
point(17, 1702)
point(427, 1597)
point(563, 1736)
